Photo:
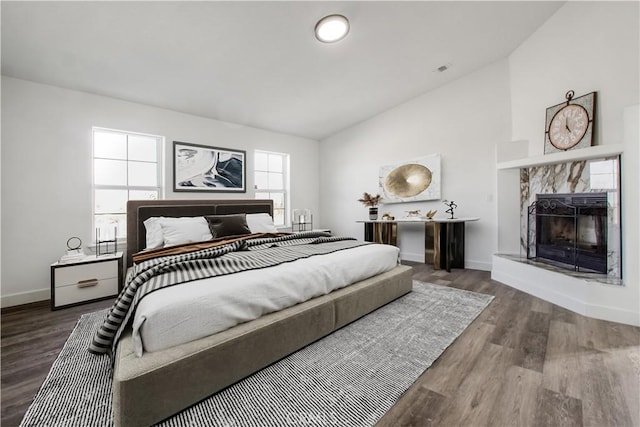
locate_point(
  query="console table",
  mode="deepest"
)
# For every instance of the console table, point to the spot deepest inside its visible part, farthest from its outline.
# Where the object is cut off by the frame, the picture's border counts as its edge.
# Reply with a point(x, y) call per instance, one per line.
point(443, 238)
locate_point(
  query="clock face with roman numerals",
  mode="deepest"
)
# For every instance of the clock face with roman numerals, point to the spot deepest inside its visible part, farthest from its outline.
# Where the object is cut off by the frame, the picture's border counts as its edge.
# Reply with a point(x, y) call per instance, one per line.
point(568, 126)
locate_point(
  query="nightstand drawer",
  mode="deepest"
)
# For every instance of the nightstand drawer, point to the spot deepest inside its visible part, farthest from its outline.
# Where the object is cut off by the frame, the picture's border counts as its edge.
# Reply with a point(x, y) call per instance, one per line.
point(74, 274)
point(87, 279)
point(86, 291)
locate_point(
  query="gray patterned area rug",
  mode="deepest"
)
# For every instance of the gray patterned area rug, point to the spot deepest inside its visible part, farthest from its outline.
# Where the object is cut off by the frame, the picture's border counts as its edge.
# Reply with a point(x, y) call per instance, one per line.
point(349, 378)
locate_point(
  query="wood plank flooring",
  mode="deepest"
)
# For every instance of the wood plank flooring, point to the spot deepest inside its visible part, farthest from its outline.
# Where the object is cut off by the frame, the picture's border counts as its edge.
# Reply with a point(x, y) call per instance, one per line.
point(525, 362)
point(522, 362)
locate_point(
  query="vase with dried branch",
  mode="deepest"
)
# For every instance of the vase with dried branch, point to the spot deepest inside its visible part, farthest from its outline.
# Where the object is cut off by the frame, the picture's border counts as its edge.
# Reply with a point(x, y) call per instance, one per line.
point(372, 203)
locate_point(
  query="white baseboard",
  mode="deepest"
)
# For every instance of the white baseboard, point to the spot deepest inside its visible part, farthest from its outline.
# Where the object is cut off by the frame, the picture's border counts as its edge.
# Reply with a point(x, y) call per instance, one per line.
point(477, 265)
point(415, 257)
point(527, 281)
point(565, 291)
point(613, 314)
point(25, 297)
point(471, 264)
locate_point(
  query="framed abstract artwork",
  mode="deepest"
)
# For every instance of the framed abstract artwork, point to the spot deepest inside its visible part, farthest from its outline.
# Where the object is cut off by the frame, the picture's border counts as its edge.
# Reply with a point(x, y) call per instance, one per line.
point(202, 168)
point(411, 181)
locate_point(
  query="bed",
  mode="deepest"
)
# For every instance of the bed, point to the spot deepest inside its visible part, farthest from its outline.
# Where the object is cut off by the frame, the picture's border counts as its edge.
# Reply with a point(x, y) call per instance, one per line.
point(151, 386)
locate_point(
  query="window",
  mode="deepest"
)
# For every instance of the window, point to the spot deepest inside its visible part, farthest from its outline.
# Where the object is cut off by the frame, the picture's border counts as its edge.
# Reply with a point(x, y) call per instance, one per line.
point(272, 182)
point(126, 166)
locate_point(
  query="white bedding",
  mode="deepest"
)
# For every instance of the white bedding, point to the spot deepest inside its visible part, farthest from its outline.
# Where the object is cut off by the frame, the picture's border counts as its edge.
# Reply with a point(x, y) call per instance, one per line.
point(186, 312)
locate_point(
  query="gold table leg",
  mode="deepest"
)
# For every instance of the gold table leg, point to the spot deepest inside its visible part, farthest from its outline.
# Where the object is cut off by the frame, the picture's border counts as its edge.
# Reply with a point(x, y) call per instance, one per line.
point(385, 232)
point(432, 244)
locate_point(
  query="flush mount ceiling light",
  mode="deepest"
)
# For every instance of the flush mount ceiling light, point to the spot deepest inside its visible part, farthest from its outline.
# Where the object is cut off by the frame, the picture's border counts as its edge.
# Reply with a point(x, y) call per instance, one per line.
point(332, 28)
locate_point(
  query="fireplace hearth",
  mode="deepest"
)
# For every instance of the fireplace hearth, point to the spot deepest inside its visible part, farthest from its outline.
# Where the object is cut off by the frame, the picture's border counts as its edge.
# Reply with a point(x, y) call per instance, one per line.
point(569, 230)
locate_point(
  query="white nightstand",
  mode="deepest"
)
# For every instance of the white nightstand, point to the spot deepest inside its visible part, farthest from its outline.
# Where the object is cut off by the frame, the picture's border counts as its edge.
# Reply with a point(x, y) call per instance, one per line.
point(88, 279)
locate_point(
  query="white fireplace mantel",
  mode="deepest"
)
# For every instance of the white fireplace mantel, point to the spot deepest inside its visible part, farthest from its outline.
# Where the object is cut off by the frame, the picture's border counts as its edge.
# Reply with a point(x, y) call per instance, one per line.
point(594, 152)
point(612, 302)
point(590, 298)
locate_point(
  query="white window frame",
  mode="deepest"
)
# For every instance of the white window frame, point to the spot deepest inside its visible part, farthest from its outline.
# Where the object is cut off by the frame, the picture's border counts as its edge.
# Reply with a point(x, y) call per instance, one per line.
point(160, 188)
point(286, 184)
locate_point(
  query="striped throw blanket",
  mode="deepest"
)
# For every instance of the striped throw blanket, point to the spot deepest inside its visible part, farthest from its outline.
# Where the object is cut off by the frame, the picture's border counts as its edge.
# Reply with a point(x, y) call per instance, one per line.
point(243, 255)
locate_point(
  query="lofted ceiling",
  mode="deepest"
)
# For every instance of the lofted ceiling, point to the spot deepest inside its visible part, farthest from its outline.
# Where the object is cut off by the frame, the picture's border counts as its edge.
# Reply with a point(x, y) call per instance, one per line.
point(258, 63)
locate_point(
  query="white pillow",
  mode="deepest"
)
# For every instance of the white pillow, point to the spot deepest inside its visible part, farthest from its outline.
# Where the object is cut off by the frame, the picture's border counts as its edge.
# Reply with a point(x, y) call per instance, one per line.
point(155, 238)
point(184, 230)
point(261, 223)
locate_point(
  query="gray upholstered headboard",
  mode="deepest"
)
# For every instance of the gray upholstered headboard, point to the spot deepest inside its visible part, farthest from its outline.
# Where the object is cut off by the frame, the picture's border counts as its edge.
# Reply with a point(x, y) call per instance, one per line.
point(140, 210)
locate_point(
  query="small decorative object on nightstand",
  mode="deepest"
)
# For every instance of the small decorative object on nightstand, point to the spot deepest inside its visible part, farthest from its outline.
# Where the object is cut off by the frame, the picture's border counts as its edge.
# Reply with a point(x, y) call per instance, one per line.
point(102, 244)
point(302, 220)
point(85, 279)
point(74, 250)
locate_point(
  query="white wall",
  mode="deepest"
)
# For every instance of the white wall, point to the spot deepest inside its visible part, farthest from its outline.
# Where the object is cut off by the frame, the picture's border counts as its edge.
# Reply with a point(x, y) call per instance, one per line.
point(589, 46)
point(46, 170)
point(461, 121)
point(586, 47)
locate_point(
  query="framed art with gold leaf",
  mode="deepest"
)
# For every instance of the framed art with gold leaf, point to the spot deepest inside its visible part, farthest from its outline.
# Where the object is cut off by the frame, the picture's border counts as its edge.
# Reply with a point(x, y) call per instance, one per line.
point(411, 181)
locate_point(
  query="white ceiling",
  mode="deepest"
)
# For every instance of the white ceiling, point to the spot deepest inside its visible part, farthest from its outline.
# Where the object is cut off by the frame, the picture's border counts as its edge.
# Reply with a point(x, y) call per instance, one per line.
point(258, 63)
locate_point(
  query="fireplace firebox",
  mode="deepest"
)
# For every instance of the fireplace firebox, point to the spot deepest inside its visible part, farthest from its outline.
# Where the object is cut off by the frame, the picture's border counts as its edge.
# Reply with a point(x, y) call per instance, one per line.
point(569, 230)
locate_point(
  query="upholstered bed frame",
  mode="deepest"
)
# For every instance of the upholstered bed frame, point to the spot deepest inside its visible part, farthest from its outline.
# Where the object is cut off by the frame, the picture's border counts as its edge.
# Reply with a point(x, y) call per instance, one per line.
point(153, 387)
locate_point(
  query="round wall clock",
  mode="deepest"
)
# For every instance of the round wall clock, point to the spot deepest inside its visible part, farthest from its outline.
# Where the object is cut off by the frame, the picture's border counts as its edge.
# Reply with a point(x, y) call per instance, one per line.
point(570, 124)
